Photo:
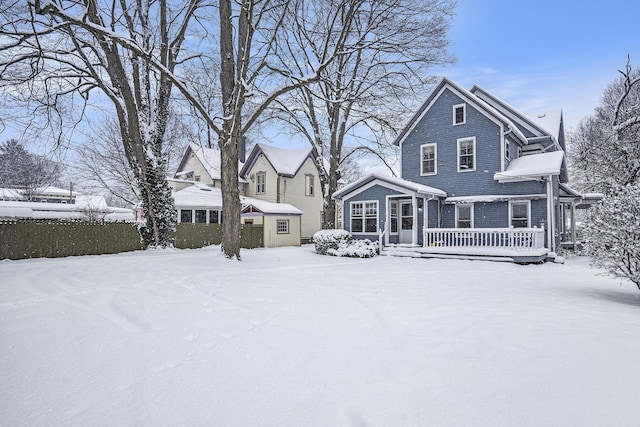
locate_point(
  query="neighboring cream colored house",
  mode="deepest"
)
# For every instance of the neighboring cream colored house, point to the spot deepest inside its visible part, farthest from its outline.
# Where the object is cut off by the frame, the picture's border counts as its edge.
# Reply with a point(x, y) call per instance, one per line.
point(202, 164)
point(280, 175)
point(288, 178)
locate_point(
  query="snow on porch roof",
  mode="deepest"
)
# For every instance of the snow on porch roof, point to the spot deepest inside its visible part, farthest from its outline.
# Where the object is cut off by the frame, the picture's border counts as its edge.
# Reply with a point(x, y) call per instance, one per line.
point(269, 207)
point(530, 167)
point(387, 181)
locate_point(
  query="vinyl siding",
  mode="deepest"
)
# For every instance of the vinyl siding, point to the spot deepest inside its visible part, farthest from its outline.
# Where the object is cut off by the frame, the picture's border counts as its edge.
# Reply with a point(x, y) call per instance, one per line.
point(436, 127)
point(378, 193)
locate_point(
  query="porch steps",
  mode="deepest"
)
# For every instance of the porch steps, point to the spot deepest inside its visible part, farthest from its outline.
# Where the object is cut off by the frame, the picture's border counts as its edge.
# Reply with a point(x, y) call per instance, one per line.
point(407, 253)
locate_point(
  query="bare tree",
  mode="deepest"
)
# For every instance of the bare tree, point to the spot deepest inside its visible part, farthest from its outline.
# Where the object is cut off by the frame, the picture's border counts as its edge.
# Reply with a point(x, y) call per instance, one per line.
point(253, 74)
point(605, 148)
point(60, 49)
point(606, 154)
point(361, 99)
point(102, 163)
point(26, 172)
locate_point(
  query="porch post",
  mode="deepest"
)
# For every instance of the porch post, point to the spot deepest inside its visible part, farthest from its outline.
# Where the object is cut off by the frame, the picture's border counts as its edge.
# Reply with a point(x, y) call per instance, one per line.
point(573, 224)
point(550, 215)
point(387, 222)
point(425, 214)
point(414, 231)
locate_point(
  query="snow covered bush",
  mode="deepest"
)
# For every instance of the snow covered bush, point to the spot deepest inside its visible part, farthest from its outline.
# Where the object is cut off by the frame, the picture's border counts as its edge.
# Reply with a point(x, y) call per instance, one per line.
point(355, 249)
point(340, 243)
point(329, 239)
point(613, 232)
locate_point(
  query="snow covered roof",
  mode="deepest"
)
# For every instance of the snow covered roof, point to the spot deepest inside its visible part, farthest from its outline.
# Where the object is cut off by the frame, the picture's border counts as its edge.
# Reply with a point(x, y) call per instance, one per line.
point(385, 180)
point(269, 207)
point(41, 210)
point(470, 96)
point(198, 195)
point(208, 157)
point(16, 194)
point(488, 198)
point(284, 161)
point(532, 166)
point(549, 121)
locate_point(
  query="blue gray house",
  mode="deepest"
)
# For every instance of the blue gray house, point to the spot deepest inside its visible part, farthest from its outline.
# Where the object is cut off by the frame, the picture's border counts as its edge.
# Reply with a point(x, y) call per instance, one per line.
point(478, 179)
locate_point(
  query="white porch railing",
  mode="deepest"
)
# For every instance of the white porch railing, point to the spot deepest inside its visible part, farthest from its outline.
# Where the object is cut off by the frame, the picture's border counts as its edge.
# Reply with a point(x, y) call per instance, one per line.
point(516, 239)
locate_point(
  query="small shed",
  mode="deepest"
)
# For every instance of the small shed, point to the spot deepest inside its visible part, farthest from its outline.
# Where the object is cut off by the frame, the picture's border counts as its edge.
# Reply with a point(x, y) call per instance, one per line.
point(281, 222)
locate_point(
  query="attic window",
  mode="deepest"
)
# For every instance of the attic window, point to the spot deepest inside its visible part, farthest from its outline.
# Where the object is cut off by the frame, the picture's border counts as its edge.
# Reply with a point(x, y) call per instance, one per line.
point(309, 185)
point(261, 181)
point(459, 114)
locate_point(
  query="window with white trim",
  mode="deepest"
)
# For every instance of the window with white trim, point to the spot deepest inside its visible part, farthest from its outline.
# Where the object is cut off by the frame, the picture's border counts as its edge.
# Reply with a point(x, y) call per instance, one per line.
point(201, 216)
point(393, 216)
point(214, 217)
point(459, 114)
point(308, 185)
point(364, 217)
point(520, 214)
point(283, 226)
point(428, 162)
point(186, 215)
point(467, 154)
point(261, 182)
point(464, 216)
point(507, 150)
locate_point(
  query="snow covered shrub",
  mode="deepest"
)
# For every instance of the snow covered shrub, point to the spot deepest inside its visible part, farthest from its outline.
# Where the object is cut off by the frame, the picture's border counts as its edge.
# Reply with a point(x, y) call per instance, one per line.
point(613, 232)
point(329, 239)
point(355, 249)
point(340, 243)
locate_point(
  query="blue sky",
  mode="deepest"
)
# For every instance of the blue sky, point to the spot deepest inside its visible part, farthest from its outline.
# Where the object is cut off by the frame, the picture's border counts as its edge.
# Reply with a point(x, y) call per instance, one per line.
point(538, 55)
point(544, 54)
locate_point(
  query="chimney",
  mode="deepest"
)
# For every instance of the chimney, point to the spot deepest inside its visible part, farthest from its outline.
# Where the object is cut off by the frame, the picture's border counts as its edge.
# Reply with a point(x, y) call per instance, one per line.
point(242, 150)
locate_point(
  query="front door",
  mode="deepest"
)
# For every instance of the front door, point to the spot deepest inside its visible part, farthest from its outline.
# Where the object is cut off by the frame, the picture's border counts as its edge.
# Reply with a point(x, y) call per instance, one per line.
point(406, 222)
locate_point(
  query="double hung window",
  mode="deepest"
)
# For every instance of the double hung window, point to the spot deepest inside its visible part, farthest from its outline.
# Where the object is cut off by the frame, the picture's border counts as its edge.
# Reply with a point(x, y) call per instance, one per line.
point(520, 214)
point(261, 182)
point(364, 217)
point(466, 154)
point(464, 216)
point(428, 153)
point(459, 114)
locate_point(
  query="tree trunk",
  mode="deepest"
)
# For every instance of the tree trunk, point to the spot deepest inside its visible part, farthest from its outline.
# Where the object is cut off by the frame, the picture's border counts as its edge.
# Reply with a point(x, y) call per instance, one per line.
point(229, 138)
point(230, 198)
point(329, 211)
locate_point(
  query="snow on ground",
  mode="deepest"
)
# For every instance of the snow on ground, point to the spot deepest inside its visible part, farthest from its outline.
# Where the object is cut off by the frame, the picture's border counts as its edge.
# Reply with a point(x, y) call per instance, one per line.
point(290, 338)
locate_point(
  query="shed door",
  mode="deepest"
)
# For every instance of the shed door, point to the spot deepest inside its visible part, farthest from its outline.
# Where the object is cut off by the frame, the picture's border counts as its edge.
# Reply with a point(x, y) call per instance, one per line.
point(406, 222)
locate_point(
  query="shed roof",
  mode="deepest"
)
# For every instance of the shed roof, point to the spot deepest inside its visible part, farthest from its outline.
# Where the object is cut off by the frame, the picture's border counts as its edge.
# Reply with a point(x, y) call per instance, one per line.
point(269, 208)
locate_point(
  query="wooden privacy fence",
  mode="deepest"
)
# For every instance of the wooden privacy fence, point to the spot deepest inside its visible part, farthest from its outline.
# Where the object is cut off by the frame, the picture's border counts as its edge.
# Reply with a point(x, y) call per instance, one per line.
point(51, 239)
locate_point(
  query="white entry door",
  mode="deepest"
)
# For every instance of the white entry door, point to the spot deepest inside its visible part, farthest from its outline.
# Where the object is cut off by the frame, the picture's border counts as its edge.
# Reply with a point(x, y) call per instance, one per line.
point(406, 222)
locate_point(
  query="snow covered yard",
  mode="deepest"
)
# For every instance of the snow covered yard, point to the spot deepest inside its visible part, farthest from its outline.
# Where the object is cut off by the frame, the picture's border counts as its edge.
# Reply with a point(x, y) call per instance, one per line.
point(290, 338)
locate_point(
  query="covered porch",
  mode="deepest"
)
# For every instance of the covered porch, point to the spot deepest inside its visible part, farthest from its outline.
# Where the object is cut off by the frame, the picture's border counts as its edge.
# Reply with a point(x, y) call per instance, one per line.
point(521, 245)
point(571, 203)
